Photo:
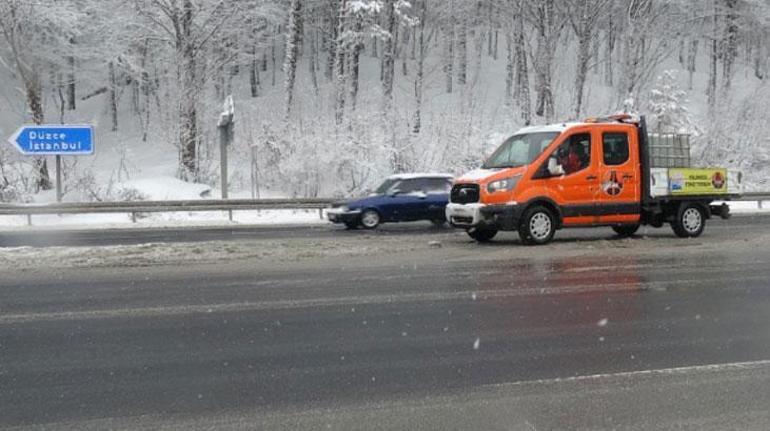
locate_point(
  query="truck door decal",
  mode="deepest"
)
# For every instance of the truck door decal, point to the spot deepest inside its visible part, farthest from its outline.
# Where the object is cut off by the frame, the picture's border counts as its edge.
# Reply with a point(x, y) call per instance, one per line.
point(611, 184)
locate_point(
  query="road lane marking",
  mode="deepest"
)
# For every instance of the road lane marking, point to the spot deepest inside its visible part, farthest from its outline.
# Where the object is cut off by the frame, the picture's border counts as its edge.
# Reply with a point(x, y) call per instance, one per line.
point(691, 369)
point(191, 309)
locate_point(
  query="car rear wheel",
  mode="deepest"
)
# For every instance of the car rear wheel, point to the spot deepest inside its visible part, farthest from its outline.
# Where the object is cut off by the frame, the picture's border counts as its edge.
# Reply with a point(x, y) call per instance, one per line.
point(482, 234)
point(438, 222)
point(690, 221)
point(370, 219)
point(626, 230)
point(537, 226)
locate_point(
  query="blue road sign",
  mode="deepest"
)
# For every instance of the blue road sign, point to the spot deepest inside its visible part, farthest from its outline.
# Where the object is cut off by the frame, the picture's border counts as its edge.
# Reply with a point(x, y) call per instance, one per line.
point(54, 139)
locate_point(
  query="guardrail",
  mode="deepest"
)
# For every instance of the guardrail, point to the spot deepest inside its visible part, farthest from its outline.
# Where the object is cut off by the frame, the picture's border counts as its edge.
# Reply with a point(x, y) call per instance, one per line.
point(136, 207)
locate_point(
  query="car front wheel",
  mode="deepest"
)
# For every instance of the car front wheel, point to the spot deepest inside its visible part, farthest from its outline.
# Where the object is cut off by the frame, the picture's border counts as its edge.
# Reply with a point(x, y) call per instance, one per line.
point(370, 219)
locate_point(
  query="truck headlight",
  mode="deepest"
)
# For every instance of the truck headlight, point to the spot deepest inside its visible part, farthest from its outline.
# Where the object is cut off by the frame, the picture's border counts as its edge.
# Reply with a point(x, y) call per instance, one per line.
point(506, 184)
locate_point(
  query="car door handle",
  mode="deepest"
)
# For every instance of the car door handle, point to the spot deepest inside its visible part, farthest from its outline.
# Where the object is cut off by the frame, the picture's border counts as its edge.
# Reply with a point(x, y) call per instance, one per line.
point(591, 177)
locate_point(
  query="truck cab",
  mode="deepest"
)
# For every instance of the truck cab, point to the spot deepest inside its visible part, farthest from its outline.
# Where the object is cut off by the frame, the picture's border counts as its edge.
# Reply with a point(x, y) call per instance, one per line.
point(586, 174)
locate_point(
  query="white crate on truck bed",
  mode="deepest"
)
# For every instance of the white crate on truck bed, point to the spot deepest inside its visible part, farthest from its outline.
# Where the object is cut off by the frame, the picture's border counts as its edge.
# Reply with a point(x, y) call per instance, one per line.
point(669, 150)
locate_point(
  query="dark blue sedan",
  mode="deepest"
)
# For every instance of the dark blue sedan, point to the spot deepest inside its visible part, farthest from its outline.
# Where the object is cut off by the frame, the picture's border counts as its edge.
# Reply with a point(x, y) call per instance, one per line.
point(403, 197)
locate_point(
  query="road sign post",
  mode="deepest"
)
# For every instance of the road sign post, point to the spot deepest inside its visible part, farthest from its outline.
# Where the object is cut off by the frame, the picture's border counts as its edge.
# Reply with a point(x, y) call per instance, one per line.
point(226, 133)
point(54, 140)
point(58, 179)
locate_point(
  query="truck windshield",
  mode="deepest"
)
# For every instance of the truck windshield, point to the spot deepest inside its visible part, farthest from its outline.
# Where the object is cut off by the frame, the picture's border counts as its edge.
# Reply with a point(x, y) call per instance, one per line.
point(520, 150)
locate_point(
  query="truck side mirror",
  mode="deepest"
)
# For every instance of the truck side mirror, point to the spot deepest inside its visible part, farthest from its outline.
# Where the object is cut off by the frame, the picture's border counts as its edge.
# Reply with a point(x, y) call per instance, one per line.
point(554, 168)
point(394, 192)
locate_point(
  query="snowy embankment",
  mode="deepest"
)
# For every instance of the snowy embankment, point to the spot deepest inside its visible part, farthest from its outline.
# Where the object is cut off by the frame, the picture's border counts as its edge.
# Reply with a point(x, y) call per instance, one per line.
point(162, 188)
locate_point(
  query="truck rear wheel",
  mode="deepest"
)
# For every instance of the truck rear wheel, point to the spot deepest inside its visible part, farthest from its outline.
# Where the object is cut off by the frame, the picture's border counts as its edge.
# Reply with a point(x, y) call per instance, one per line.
point(626, 230)
point(537, 226)
point(690, 221)
point(482, 235)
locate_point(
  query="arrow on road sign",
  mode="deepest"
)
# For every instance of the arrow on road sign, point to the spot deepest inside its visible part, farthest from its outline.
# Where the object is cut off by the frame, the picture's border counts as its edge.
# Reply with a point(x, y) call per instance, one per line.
point(71, 140)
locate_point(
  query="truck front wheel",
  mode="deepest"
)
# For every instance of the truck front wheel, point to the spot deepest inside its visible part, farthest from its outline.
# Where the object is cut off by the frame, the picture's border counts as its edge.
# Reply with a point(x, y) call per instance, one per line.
point(537, 226)
point(482, 234)
point(690, 221)
point(626, 230)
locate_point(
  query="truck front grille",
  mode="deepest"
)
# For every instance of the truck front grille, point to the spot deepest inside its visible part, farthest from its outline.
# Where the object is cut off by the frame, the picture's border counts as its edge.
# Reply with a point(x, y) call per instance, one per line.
point(465, 194)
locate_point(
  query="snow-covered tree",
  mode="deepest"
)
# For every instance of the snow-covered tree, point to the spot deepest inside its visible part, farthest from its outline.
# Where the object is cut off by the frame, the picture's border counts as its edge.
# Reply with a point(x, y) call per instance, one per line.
point(668, 105)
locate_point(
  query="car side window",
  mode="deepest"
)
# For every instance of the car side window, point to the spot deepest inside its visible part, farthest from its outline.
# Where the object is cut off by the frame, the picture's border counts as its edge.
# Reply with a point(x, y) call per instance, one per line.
point(408, 186)
point(436, 185)
point(574, 154)
point(615, 147)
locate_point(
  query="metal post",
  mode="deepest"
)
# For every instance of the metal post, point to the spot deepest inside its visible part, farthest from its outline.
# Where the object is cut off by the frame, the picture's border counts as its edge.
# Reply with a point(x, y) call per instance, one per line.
point(225, 127)
point(58, 179)
point(29, 219)
point(223, 138)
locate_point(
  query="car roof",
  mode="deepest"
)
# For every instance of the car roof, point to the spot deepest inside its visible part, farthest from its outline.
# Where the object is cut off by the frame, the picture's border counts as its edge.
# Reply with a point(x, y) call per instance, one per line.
point(411, 176)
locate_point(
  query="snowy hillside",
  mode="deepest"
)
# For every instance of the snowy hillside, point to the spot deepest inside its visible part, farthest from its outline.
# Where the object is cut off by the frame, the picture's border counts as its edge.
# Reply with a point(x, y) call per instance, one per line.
point(333, 95)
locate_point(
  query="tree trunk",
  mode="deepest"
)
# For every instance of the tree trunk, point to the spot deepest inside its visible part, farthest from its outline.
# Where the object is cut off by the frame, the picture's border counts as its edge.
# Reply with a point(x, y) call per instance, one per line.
point(71, 104)
point(509, 69)
point(35, 103)
point(188, 113)
point(113, 98)
point(544, 59)
point(711, 90)
point(522, 72)
point(293, 37)
point(730, 44)
point(583, 31)
point(494, 46)
point(449, 36)
point(313, 61)
point(389, 50)
point(608, 78)
point(462, 52)
point(272, 56)
point(254, 73)
point(692, 56)
point(418, 80)
point(354, 67)
point(339, 66)
point(374, 52)
point(333, 31)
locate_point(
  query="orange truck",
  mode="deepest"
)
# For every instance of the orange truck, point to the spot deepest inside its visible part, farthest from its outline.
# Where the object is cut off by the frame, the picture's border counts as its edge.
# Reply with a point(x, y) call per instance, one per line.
point(601, 172)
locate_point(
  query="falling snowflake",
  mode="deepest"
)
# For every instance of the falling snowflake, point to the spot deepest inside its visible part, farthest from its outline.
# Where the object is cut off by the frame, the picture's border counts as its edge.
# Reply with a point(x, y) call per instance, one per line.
point(476, 343)
point(602, 322)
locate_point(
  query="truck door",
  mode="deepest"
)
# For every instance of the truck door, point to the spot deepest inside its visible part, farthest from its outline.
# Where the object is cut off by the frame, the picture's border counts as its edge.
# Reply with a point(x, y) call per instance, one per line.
point(619, 200)
point(576, 191)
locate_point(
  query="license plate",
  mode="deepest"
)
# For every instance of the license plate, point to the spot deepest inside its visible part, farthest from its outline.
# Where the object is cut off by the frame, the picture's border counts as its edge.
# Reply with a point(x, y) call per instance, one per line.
point(460, 211)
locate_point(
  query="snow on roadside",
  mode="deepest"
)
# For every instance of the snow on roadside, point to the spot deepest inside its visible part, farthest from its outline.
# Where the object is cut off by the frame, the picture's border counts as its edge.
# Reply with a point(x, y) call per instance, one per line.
point(286, 250)
point(160, 220)
point(166, 188)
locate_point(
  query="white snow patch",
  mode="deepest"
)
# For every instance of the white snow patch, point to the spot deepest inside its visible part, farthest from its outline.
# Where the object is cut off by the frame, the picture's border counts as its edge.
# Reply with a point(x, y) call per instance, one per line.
point(166, 188)
point(477, 174)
